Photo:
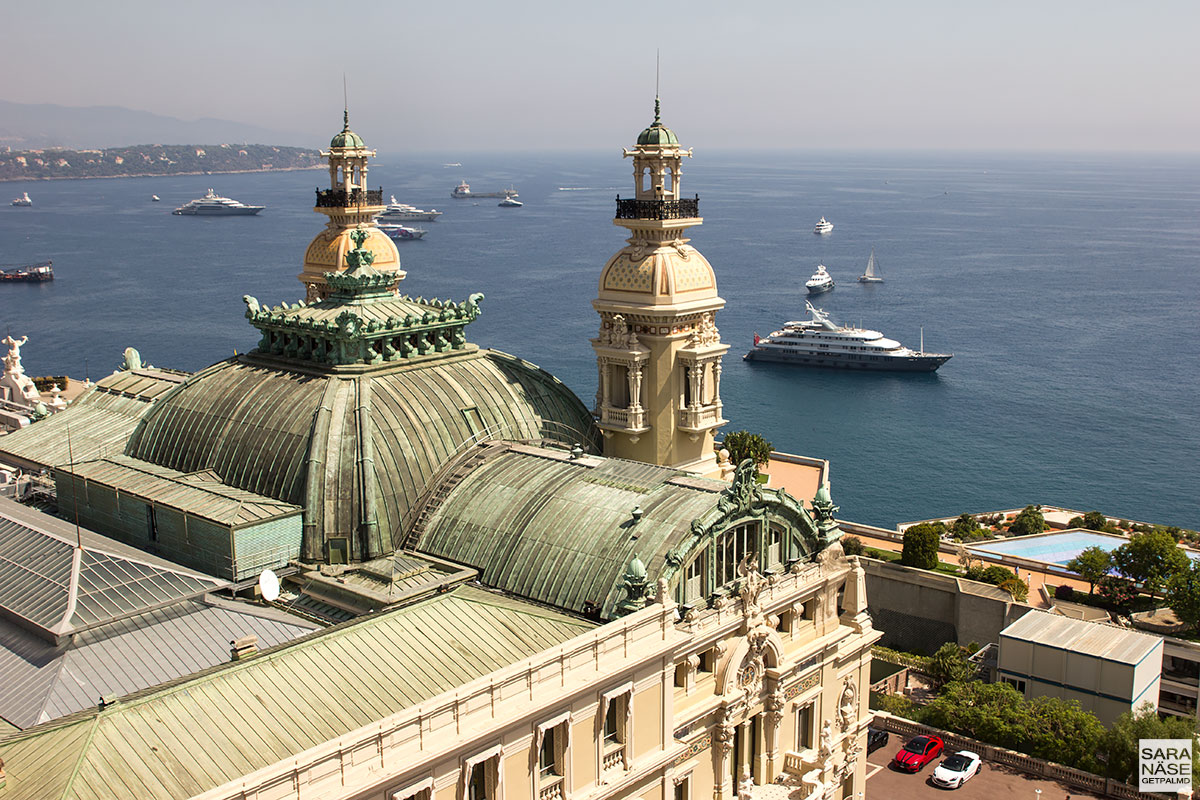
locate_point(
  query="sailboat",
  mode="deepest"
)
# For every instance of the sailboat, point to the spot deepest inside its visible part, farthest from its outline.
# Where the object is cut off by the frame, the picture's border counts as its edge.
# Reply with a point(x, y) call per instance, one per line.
point(872, 273)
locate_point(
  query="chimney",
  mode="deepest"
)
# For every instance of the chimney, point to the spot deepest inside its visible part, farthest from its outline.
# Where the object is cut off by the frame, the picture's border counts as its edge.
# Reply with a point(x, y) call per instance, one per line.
point(243, 648)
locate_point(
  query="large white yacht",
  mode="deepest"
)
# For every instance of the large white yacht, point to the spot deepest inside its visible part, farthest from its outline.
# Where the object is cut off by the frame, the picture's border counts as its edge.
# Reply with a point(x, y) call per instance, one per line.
point(213, 205)
point(399, 233)
point(818, 342)
point(823, 226)
point(820, 282)
point(403, 212)
point(23, 200)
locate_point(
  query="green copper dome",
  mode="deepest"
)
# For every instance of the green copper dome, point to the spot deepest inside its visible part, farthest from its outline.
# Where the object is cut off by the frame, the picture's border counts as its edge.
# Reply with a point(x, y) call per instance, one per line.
point(347, 137)
point(657, 133)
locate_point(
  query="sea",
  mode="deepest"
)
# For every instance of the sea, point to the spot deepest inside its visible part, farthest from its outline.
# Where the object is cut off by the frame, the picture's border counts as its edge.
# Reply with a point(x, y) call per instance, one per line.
point(1066, 286)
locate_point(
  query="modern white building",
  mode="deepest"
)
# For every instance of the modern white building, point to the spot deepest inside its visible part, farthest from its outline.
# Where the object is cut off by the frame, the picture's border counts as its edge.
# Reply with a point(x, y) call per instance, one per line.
point(1108, 670)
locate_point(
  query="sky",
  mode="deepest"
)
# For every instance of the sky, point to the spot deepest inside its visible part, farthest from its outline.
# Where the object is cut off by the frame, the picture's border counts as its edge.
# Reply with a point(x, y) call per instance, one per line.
point(1059, 75)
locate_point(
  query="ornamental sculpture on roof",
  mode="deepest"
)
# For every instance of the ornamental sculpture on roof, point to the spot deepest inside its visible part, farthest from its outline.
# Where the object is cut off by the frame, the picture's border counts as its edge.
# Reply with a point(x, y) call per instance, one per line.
point(745, 490)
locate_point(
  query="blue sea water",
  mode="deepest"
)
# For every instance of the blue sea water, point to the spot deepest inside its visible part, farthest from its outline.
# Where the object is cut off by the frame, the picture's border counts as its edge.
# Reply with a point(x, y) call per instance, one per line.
point(1065, 286)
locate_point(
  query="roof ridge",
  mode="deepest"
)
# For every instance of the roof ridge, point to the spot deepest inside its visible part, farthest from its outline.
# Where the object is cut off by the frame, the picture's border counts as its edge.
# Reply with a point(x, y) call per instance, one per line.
point(83, 752)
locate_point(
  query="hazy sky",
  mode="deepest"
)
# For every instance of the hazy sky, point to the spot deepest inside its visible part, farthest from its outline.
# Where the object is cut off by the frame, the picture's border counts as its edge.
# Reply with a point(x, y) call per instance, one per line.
point(508, 74)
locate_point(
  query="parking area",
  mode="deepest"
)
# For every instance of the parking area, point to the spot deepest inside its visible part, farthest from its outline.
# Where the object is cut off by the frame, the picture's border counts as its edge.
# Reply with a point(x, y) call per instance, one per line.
point(994, 782)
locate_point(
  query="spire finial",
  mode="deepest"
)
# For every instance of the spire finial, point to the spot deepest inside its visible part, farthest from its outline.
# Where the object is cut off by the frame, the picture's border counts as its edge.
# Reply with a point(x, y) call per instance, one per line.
point(657, 70)
point(345, 105)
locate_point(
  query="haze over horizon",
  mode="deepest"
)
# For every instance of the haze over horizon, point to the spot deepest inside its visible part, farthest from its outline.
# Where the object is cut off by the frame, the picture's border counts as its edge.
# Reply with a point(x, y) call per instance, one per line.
point(927, 74)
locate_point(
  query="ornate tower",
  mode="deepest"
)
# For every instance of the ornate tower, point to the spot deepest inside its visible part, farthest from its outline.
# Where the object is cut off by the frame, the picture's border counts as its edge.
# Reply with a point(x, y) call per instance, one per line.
point(659, 352)
point(349, 205)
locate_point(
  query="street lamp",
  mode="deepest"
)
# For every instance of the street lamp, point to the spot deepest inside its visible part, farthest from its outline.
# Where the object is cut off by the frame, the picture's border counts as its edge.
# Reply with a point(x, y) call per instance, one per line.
point(1038, 792)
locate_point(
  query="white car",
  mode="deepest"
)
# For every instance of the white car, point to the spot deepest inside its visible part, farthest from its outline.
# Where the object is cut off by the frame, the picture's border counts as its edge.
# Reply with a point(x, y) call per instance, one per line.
point(957, 769)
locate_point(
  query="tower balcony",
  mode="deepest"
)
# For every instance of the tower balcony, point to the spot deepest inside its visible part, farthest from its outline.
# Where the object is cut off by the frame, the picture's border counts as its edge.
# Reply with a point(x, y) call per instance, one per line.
point(340, 198)
point(701, 418)
point(658, 209)
point(624, 420)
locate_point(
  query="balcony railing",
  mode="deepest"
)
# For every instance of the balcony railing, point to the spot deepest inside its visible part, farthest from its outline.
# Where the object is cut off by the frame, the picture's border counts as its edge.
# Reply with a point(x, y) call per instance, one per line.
point(700, 418)
point(551, 790)
point(614, 759)
point(340, 198)
point(628, 419)
point(658, 209)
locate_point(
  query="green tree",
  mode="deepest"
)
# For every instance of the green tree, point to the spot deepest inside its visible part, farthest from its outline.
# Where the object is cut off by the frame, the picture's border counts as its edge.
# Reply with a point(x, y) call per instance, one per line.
point(1016, 587)
point(743, 444)
point(852, 546)
point(920, 547)
point(1183, 594)
point(1120, 746)
point(1028, 521)
point(1045, 727)
point(950, 664)
point(965, 528)
point(1092, 564)
point(1116, 591)
point(1150, 559)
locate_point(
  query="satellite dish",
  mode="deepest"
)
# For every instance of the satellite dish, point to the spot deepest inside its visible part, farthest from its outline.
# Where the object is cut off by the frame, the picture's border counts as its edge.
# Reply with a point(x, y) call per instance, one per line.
point(268, 585)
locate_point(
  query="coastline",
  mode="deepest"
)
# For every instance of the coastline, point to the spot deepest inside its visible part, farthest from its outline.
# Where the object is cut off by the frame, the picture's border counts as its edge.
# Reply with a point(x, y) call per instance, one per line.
point(160, 174)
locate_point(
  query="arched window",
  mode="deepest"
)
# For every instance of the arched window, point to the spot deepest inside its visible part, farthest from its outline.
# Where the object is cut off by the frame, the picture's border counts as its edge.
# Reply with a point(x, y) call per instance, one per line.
point(731, 547)
point(644, 181)
point(668, 180)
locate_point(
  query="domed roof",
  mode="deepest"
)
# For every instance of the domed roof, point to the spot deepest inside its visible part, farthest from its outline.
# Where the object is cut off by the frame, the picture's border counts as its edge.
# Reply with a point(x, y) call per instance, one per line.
point(327, 251)
point(355, 449)
point(667, 274)
point(347, 137)
point(657, 133)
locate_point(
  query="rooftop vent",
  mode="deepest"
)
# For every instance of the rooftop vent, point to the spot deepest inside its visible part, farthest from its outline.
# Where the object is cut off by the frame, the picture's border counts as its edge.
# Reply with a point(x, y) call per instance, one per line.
point(243, 648)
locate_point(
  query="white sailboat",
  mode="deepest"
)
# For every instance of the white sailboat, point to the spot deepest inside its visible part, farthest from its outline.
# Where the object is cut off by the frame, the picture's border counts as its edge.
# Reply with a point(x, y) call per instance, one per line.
point(872, 273)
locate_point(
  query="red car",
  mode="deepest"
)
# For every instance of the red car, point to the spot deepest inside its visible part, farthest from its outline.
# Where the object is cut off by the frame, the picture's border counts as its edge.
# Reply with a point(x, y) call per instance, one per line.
point(918, 752)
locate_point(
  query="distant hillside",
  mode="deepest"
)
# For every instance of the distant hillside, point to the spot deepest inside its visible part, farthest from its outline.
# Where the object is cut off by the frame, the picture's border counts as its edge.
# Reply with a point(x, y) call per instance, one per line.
point(152, 159)
point(26, 126)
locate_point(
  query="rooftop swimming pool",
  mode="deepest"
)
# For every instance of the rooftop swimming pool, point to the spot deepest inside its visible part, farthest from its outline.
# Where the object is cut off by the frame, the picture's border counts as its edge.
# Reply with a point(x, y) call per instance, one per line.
point(1051, 548)
point(1054, 548)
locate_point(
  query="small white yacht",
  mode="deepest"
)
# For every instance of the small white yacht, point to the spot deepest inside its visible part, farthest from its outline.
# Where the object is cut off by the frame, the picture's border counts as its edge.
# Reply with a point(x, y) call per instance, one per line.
point(155, 198)
point(820, 282)
point(818, 342)
point(23, 200)
point(824, 226)
point(213, 205)
point(403, 212)
point(871, 275)
point(510, 202)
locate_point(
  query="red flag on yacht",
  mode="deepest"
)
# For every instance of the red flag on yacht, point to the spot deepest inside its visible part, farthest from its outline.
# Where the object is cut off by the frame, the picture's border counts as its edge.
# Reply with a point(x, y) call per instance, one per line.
point(756, 338)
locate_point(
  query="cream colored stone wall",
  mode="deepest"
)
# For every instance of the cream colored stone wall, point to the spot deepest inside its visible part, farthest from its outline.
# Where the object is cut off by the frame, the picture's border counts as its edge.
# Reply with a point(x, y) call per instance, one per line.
point(747, 664)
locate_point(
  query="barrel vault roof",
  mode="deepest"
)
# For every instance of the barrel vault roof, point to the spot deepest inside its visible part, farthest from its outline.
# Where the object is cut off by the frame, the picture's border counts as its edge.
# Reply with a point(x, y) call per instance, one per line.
point(100, 420)
point(205, 731)
point(561, 531)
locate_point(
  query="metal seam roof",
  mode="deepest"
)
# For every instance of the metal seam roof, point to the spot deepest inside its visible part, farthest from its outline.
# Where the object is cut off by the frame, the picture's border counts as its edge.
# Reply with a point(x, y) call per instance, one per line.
point(187, 737)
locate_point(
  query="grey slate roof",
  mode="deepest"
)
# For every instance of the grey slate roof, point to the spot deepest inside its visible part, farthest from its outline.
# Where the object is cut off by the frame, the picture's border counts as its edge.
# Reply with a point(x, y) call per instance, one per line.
point(1079, 636)
point(54, 588)
point(43, 682)
point(197, 734)
point(560, 531)
point(100, 420)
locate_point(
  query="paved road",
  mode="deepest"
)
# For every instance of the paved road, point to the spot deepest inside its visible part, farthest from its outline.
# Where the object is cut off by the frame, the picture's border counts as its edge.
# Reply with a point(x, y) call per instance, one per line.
point(994, 782)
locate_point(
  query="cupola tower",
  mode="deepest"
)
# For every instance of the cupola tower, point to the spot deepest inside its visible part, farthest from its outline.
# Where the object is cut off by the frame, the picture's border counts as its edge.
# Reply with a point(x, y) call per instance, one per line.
point(659, 352)
point(350, 205)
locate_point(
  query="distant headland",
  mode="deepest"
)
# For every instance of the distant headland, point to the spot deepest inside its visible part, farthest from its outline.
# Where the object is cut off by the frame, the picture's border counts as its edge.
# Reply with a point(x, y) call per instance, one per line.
point(153, 159)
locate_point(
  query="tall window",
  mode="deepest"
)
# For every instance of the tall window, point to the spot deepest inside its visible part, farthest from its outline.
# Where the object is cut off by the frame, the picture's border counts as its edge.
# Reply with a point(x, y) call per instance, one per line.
point(614, 731)
point(693, 578)
point(477, 784)
point(618, 386)
point(804, 727)
point(775, 545)
point(547, 758)
point(683, 788)
point(732, 547)
point(481, 776)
